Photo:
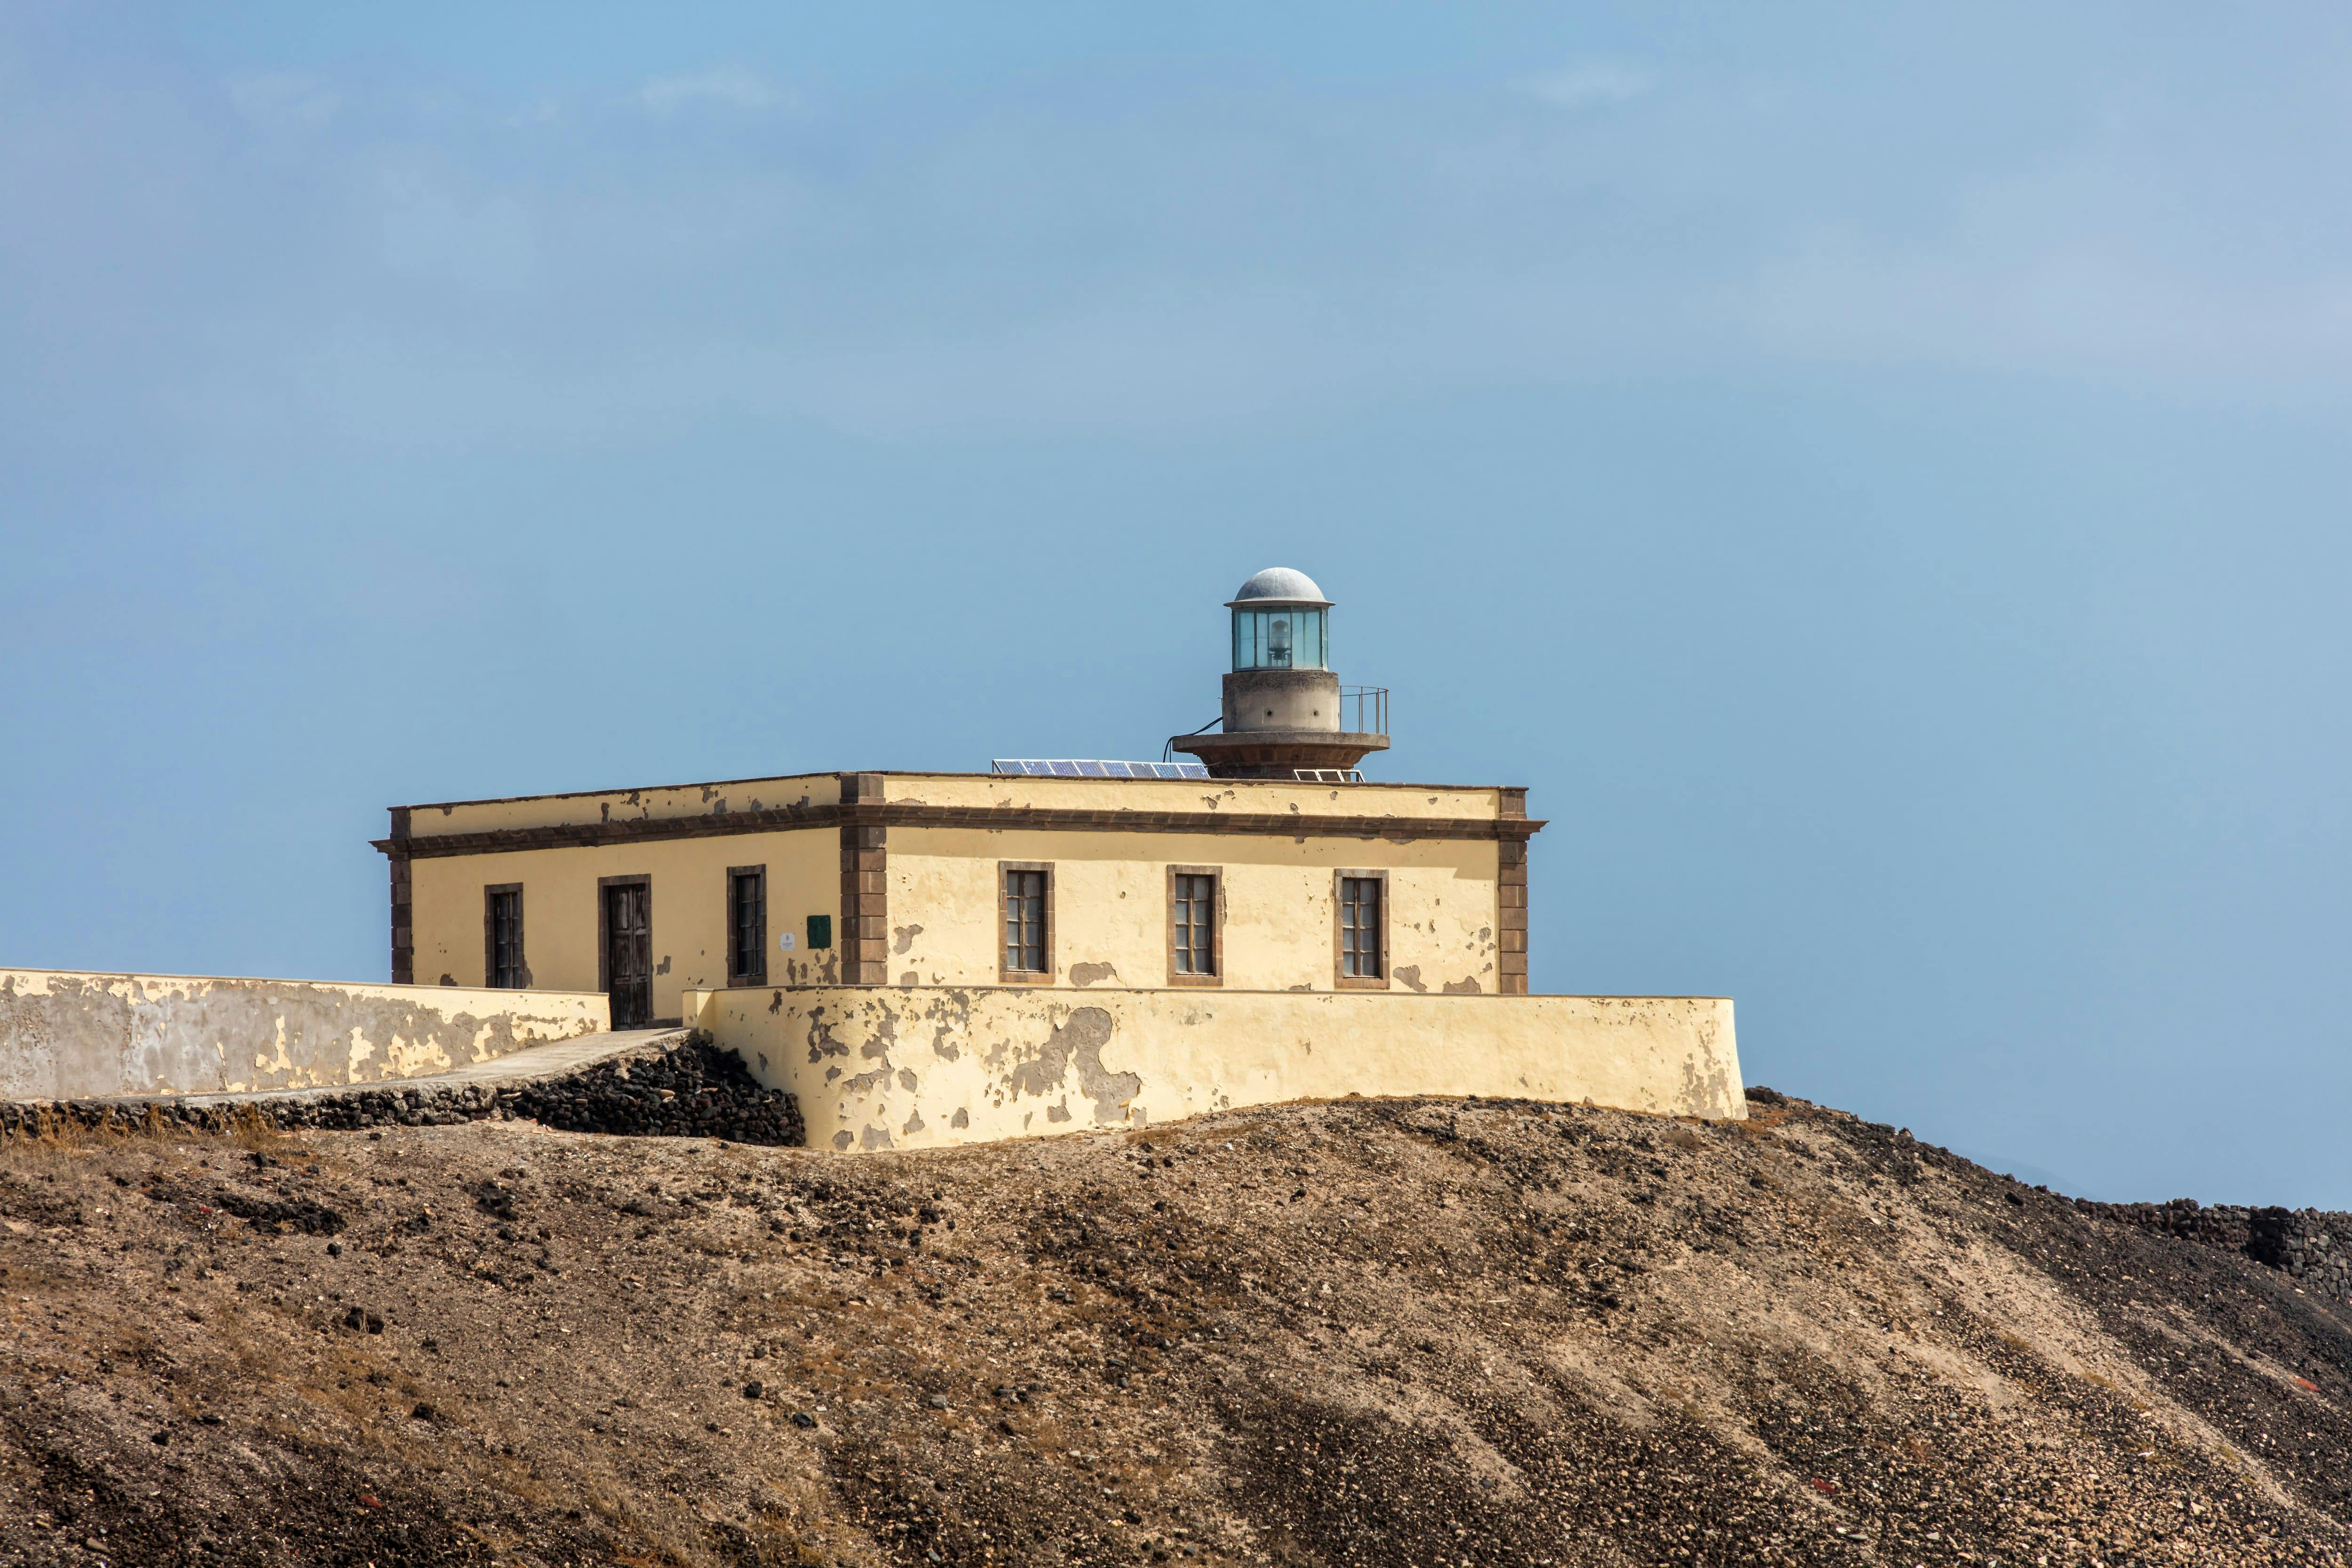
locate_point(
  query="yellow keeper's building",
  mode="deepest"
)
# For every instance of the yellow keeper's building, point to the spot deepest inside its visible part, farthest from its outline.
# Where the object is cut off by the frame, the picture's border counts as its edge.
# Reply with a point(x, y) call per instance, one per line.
point(928, 957)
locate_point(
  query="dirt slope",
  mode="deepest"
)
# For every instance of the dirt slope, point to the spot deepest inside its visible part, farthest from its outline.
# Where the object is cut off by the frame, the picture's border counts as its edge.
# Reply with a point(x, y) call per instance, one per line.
point(1410, 1332)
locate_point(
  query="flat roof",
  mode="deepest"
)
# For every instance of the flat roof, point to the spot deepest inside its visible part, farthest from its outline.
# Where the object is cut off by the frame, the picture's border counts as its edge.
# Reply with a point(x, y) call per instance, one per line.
point(914, 773)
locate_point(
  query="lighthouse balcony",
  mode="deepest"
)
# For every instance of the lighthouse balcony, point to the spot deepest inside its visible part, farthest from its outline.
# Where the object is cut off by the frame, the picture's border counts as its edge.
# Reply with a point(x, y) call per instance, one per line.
point(1364, 710)
point(1269, 741)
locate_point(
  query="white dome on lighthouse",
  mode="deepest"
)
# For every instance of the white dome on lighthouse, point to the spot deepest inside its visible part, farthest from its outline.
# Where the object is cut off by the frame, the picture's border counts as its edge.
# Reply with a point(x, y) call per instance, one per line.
point(1278, 586)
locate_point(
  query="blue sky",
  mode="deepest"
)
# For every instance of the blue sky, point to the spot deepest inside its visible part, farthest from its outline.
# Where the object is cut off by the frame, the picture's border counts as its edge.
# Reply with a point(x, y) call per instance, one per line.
point(1878, 474)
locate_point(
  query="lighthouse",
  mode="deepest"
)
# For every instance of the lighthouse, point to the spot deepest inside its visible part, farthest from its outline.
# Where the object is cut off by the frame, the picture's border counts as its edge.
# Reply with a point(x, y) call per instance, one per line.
point(1286, 715)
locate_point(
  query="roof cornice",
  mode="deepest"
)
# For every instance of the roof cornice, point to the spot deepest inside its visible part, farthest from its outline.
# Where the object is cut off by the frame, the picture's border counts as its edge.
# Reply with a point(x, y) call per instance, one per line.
point(997, 818)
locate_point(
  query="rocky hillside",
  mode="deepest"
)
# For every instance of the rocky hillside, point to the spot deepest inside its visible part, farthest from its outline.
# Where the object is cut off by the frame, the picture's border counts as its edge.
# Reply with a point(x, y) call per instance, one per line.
point(1401, 1332)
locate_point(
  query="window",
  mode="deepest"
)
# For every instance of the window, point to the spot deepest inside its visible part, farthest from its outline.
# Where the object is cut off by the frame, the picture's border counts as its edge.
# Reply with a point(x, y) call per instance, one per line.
point(1194, 929)
point(1294, 637)
point(502, 964)
point(820, 932)
point(747, 925)
point(1362, 933)
point(1028, 892)
point(1192, 910)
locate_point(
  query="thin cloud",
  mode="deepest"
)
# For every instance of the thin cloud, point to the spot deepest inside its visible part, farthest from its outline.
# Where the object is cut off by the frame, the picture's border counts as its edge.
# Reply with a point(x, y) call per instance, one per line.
point(726, 86)
point(1589, 81)
point(284, 97)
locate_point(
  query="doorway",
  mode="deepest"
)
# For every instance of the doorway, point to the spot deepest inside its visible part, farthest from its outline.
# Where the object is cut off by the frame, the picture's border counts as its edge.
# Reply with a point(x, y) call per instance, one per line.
point(628, 957)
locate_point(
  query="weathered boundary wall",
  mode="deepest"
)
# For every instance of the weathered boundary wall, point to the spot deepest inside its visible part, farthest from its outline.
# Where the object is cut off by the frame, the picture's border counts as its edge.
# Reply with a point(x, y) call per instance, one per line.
point(911, 1067)
point(670, 1084)
point(71, 1035)
point(2315, 1246)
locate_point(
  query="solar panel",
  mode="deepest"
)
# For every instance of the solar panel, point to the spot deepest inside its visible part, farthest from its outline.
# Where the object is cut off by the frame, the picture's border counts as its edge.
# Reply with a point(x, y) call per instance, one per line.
point(1094, 768)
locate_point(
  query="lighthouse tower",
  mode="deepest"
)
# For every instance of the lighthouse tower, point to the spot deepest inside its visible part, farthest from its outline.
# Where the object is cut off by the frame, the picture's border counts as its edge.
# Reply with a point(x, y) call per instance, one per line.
point(1285, 713)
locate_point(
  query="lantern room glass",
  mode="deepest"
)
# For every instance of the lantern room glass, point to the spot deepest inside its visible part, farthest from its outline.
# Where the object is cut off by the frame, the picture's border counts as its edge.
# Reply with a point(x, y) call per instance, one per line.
point(1283, 636)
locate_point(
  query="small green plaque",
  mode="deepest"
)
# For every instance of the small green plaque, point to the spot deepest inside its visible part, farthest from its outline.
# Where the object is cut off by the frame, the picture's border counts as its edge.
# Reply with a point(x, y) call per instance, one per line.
point(820, 931)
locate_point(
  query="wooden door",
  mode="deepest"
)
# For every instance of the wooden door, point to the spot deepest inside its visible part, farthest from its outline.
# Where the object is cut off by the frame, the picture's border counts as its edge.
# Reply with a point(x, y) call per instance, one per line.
point(629, 954)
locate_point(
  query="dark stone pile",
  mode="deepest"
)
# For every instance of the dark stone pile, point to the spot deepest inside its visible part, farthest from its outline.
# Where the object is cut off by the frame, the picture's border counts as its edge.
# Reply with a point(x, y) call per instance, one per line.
point(693, 1091)
point(2313, 1246)
point(679, 1088)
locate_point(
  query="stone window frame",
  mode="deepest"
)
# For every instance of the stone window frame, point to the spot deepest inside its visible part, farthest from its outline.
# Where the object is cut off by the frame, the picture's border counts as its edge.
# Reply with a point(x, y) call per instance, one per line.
point(490, 892)
point(1340, 978)
point(1216, 974)
point(758, 973)
point(1005, 974)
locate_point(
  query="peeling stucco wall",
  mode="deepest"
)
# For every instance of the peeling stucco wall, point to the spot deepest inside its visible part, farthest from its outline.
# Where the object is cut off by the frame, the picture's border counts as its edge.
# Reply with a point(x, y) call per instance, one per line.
point(1110, 906)
point(690, 908)
point(71, 1035)
point(992, 791)
point(1110, 889)
point(909, 1067)
point(1403, 801)
point(624, 804)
